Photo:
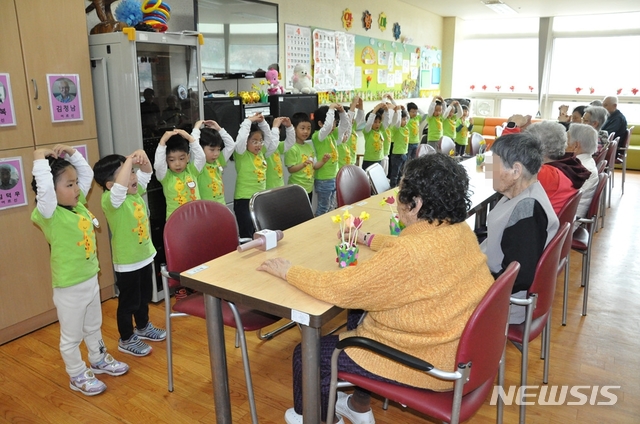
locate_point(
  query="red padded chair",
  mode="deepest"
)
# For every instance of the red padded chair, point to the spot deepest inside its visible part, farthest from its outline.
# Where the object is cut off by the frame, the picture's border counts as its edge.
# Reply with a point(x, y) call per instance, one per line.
point(195, 233)
point(479, 357)
point(352, 185)
point(538, 305)
point(583, 236)
point(567, 214)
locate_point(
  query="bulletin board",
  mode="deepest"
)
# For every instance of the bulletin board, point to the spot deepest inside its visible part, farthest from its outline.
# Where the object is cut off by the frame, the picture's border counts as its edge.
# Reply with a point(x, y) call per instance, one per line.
point(343, 65)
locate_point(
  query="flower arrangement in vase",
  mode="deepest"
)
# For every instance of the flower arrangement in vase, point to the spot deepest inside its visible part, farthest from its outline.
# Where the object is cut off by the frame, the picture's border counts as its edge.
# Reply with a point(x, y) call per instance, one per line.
point(347, 250)
point(395, 225)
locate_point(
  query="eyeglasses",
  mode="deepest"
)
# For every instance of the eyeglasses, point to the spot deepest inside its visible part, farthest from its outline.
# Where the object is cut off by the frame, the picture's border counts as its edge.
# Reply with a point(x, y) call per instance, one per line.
point(257, 142)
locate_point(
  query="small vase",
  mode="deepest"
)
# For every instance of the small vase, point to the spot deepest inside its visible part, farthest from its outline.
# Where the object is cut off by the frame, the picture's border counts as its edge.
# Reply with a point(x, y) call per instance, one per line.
point(395, 226)
point(347, 255)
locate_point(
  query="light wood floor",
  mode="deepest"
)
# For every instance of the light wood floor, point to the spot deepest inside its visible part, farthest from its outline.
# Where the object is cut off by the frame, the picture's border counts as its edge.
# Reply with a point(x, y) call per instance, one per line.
point(598, 350)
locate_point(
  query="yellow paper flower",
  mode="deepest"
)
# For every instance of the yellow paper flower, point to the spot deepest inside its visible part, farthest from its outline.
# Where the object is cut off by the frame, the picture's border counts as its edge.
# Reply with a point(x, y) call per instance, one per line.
point(364, 215)
point(336, 219)
point(346, 215)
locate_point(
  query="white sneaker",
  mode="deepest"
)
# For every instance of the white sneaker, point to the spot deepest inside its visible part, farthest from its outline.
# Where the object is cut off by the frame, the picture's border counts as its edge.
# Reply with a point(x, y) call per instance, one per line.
point(87, 384)
point(291, 417)
point(342, 408)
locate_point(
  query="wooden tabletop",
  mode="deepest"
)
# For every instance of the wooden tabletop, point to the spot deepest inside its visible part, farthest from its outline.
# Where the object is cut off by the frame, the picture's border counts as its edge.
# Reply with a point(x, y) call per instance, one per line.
point(234, 277)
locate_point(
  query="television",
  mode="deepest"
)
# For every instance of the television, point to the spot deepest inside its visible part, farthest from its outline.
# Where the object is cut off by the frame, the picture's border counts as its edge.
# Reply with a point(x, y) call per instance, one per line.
point(228, 112)
point(288, 104)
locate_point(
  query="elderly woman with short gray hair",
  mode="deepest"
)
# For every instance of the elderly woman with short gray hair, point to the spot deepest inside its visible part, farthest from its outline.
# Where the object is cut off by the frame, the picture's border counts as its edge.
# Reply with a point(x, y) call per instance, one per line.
point(583, 139)
point(596, 116)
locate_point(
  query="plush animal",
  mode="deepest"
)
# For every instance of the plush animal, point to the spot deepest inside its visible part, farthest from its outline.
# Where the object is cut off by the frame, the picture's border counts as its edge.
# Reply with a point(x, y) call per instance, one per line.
point(302, 80)
point(107, 22)
point(274, 85)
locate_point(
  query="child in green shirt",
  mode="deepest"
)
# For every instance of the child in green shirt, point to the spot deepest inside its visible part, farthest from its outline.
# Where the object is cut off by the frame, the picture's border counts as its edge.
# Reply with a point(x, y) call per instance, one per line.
point(61, 186)
point(218, 147)
point(253, 145)
point(300, 159)
point(464, 125)
point(415, 119)
point(179, 159)
point(400, 140)
point(274, 162)
point(435, 121)
point(131, 246)
point(374, 136)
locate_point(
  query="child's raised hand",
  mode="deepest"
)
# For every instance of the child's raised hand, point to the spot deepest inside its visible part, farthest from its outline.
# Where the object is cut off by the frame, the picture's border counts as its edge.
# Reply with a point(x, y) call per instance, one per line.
point(354, 102)
point(43, 152)
point(339, 107)
point(184, 135)
point(60, 148)
point(286, 121)
point(139, 157)
point(277, 121)
point(256, 118)
point(199, 123)
point(166, 136)
point(209, 123)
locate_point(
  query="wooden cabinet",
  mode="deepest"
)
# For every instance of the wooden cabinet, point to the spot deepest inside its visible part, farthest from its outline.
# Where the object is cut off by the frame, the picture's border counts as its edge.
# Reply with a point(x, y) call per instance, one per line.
point(40, 38)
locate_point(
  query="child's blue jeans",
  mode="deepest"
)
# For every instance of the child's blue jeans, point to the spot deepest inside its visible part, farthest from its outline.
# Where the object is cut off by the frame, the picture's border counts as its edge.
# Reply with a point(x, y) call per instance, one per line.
point(325, 191)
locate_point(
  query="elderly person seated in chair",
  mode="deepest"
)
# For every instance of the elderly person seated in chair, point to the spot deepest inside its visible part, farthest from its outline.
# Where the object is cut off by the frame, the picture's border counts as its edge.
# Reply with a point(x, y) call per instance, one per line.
point(523, 221)
point(419, 289)
point(560, 176)
point(596, 116)
point(583, 140)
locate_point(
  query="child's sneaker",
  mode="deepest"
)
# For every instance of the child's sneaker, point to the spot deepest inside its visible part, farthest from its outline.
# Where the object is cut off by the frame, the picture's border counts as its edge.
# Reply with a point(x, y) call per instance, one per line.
point(110, 366)
point(151, 333)
point(87, 384)
point(134, 346)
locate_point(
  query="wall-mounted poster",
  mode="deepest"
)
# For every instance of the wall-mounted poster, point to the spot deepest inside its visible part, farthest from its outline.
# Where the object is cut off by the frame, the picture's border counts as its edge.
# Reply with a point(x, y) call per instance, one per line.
point(12, 187)
point(64, 97)
point(297, 44)
point(7, 115)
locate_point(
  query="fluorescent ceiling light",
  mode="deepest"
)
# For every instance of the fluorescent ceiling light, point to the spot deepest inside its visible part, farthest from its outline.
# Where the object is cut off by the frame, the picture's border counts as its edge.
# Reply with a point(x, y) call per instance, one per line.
point(499, 7)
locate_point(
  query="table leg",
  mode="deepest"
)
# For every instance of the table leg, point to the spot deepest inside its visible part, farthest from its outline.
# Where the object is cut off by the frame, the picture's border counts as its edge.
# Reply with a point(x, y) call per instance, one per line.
point(310, 375)
point(218, 359)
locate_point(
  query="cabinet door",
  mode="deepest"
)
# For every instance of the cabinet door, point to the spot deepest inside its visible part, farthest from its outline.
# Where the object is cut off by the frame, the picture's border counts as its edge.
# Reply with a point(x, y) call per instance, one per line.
point(54, 40)
point(19, 135)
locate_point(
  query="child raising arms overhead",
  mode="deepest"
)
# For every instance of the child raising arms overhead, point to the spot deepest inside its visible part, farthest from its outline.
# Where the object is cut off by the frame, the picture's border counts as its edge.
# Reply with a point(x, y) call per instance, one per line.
point(274, 162)
point(61, 186)
point(218, 147)
point(178, 162)
point(435, 120)
point(253, 145)
point(133, 251)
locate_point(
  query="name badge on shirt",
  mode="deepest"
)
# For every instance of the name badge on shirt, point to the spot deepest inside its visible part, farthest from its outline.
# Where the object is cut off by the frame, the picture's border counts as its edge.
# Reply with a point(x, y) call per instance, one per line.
point(191, 184)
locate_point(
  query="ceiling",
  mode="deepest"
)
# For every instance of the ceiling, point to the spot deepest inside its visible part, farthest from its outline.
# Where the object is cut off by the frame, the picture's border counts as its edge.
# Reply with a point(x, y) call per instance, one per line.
point(475, 9)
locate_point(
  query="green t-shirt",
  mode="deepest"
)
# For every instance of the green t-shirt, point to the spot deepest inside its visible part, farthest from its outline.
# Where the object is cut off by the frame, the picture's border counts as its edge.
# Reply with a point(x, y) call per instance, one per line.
point(414, 129)
point(344, 150)
point(252, 173)
point(296, 155)
point(353, 143)
point(373, 145)
point(129, 225)
point(434, 133)
point(180, 188)
point(72, 239)
point(387, 139)
point(274, 168)
point(400, 138)
point(330, 169)
point(210, 181)
point(449, 127)
point(462, 136)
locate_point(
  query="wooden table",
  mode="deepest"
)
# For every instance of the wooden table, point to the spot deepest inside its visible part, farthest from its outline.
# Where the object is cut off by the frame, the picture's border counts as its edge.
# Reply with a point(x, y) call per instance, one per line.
point(233, 277)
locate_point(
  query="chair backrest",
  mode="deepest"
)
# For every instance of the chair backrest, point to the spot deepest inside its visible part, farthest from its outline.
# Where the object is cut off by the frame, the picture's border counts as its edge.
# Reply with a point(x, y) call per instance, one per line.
point(611, 136)
point(594, 206)
point(600, 166)
point(447, 144)
point(625, 143)
point(476, 138)
point(483, 338)
point(568, 214)
point(378, 178)
point(280, 208)
point(611, 154)
point(197, 232)
point(544, 281)
point(602, 155)
point(425, 149)
point(352, 185)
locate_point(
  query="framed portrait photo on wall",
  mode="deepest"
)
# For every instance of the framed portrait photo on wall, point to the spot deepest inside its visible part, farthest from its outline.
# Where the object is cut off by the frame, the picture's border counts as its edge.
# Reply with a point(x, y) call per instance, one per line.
point(64, 97)
point(7, 115)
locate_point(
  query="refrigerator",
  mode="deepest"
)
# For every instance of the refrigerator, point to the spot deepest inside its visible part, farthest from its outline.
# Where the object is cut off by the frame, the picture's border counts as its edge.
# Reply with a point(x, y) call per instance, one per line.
point(144, 84)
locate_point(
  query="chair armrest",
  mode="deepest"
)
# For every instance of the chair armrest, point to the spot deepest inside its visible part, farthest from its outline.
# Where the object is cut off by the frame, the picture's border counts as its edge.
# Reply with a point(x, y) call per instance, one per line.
point(520, 302)
point(386, 351)
point(585, 220)
point(169, 274)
